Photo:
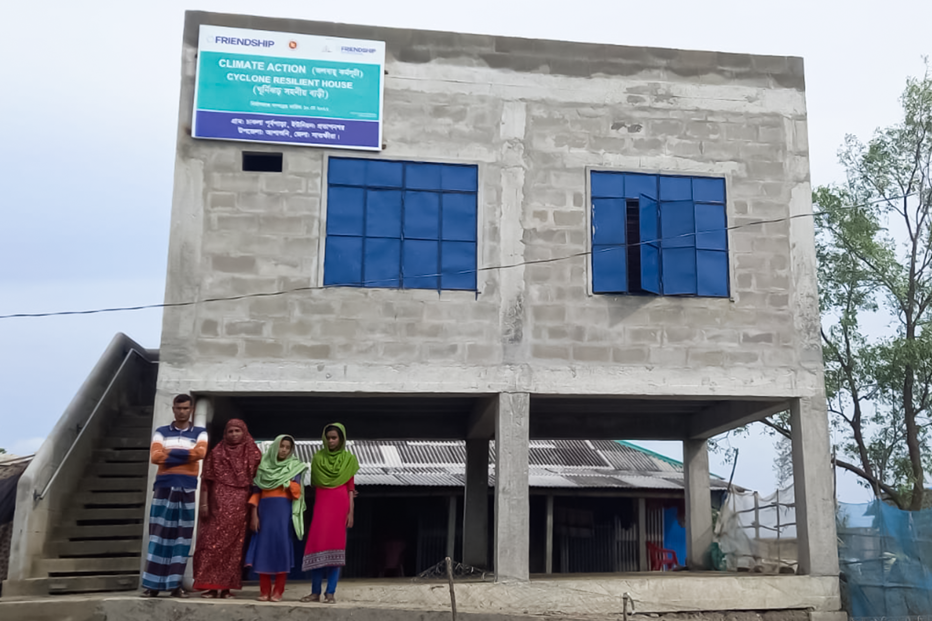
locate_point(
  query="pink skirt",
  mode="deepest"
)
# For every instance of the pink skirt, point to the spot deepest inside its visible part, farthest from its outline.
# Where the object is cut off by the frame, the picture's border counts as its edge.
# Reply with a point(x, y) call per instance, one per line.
point(326, 539)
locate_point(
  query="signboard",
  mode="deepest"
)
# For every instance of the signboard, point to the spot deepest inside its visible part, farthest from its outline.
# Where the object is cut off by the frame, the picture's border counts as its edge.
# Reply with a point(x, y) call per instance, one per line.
point(274, 87)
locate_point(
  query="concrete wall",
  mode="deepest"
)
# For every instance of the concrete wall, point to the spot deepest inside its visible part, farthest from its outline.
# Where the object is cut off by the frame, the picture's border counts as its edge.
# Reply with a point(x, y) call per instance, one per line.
point(535, 116)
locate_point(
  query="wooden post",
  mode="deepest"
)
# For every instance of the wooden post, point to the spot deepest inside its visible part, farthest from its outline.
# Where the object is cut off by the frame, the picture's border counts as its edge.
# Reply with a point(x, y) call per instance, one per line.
point(549, 544)
point(452, 592)
point(643, 564)
point(451, 526)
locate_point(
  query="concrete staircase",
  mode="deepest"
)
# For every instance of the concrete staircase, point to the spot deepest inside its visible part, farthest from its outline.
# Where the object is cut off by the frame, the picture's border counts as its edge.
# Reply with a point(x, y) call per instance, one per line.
point(99, 542)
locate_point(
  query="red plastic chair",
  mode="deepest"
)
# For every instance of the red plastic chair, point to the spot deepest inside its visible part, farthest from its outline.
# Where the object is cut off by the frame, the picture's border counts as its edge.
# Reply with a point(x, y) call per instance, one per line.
point(661, 559)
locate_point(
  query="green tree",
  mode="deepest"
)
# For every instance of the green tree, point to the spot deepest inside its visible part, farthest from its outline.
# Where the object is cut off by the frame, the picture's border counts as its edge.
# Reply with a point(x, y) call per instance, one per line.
point(874, 245)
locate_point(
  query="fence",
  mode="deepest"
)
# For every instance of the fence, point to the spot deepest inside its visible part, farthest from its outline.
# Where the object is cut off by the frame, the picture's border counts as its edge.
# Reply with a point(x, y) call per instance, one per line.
point(758, 533)
point(885, 555)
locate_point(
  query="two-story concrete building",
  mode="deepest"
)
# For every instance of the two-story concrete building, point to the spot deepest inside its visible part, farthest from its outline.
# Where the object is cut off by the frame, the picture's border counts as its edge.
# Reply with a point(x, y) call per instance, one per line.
point(532, 240)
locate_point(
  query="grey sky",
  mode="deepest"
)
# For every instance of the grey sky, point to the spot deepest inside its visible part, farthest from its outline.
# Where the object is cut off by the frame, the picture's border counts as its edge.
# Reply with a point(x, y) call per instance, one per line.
point(90, 100)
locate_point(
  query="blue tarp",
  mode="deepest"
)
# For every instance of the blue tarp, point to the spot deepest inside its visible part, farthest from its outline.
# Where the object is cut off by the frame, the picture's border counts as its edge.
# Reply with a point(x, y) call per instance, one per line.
point(886, 559)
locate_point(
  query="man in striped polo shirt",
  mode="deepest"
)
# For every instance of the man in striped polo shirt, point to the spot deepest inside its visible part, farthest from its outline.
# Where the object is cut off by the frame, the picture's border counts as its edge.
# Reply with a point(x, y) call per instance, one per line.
point(176, 449)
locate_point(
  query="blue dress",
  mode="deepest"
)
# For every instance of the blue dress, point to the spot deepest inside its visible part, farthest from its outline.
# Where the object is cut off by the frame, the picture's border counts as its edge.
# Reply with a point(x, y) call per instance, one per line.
point(271, 550)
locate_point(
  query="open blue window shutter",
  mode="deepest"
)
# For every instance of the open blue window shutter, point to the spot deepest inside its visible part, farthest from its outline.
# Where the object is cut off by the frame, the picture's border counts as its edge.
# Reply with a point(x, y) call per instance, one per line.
point(609, 253)
point(711, 250)
point(649, 222)
point(678, 247)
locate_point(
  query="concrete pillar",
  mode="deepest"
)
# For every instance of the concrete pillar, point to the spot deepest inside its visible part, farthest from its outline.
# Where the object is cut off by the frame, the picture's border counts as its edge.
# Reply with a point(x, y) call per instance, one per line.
point(812, 475)
point(511, 487)
point(476, 505)
point(698, 503)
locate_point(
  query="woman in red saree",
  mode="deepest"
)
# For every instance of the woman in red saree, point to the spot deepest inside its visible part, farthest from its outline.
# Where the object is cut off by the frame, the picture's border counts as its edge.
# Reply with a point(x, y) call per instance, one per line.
point(332, 474)
point(226, 484)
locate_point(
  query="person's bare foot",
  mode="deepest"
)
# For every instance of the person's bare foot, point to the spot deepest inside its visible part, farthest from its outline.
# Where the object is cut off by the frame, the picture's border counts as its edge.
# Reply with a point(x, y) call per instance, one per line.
point(275, 598)
point(263, 598)
point(209, 594)
point(313, 597)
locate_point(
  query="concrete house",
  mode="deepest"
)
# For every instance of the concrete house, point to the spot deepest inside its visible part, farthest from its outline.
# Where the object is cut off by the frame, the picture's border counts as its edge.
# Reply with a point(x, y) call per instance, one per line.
point(539, 240)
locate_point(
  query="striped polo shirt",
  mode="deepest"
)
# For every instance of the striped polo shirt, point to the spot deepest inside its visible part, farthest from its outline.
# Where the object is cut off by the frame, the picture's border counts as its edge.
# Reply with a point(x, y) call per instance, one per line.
point(176, 452)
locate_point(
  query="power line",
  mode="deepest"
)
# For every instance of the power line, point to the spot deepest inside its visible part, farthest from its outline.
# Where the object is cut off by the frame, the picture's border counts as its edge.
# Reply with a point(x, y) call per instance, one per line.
point(576, 255)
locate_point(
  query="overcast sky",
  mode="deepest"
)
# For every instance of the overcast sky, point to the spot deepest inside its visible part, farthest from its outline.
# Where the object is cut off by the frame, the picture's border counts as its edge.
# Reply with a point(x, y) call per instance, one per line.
point(90, 99)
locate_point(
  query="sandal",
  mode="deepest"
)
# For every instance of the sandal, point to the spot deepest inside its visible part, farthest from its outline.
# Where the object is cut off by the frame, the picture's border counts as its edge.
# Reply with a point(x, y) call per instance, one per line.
point(150, 593)
point(209, 594)
point(225, 594)
point(313, 597)
point(329, 599)
point(179, 593)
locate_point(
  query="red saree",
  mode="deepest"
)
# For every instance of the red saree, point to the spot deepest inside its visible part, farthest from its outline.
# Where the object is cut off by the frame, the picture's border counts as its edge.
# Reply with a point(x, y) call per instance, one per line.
point(228, 473)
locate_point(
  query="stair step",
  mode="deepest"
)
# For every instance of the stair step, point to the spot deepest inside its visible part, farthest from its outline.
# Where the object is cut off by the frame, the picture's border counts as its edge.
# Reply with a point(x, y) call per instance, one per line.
point(96, 514)
point(120, 469)
point(85, 584)
point(121, 431)
point(96, 548)
point(113, 484)
point(95, 532)
point(126, 564)
point(113, 442)
point(114, 456)
point(110, 498)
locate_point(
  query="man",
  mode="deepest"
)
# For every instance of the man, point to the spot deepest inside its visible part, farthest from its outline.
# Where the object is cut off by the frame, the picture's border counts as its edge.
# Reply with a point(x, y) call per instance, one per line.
point(176, 449)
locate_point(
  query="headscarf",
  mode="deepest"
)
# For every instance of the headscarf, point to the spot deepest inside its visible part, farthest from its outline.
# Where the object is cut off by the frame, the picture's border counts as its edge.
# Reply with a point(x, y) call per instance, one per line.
point(233, 464)
point(333, 468)
point(273, 473)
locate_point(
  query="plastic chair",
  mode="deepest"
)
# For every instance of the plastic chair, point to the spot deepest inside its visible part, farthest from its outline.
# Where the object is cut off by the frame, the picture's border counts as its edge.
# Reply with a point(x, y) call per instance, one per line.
point(661, 559)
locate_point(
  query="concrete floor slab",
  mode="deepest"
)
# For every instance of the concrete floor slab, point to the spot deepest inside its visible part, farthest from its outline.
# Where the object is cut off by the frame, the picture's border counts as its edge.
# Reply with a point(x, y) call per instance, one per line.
point(569, 597)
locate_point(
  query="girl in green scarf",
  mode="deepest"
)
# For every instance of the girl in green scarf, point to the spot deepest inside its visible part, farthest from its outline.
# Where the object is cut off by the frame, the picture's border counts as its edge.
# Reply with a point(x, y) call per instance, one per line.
point(332, 474)
point(277, 508)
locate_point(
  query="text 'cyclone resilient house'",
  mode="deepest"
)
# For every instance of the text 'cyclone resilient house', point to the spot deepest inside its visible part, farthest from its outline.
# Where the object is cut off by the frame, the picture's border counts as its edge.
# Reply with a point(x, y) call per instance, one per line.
point(440, 236)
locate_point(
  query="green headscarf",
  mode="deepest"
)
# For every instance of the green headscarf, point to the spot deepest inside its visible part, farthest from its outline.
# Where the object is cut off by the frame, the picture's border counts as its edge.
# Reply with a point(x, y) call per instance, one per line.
point(333, 468)
point(273, 473)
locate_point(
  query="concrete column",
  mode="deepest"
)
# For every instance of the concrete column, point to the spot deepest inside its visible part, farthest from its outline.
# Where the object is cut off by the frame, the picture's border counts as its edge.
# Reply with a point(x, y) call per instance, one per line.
point(476, 505)
point(698, 503)
point(812, 475)
point(511, 487)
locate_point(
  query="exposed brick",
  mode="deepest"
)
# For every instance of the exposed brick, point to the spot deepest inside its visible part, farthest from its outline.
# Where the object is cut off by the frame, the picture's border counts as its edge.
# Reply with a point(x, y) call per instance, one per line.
point(314, 352)
point(550, 352)
point(757, 337)
point(263, 349)
point(212, 348)
point(210, 327)
point(233, 265)
point(243, 328)
point(629, 355)
point(591, 353)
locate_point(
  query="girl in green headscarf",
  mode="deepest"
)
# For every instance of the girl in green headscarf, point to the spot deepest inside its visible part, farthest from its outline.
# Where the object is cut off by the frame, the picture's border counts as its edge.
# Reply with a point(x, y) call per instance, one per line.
point(277, 509)
point(332, 474)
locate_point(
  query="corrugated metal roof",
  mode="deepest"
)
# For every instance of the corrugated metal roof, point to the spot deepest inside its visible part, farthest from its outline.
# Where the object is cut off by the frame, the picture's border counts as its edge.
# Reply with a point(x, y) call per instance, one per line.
point(552, 464)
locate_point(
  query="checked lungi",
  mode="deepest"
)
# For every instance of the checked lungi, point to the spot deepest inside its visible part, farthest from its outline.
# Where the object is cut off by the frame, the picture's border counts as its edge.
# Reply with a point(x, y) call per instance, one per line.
point(171, 527)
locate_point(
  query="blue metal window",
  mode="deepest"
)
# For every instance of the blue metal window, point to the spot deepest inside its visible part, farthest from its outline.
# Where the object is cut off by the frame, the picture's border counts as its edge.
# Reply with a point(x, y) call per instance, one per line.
point(659, 234)
point(404, 225)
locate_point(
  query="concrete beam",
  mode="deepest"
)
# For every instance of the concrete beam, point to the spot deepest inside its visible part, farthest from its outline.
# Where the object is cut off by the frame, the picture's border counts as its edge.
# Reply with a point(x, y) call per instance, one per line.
point(512, 510)
point(726, 415)
point(813, 482)
point(698, 503)
point(583, 426)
